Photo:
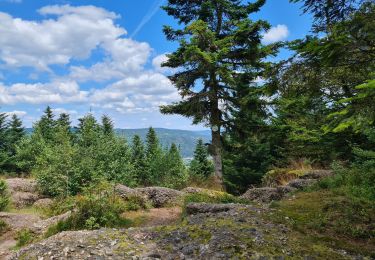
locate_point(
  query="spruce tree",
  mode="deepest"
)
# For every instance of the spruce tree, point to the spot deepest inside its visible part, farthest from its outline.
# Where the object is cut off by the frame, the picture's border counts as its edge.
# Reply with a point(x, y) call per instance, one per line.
point(138, 159)
point(107, 126)
point(88, 131)
point(152, 143)
point(328, 12)
point(201, 165)
point(218, 46)
point(45, 127)
point(16, 133)
point(174, 174)
point(3, 140)
point(154, 158)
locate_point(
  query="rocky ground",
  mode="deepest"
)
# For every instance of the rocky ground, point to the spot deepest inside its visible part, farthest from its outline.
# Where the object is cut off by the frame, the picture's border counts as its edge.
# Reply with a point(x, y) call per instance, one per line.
point(219, 232)
point(199, 231)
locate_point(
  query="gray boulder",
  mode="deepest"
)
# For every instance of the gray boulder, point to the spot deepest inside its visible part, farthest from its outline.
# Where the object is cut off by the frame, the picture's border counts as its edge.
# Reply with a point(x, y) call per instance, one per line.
point(301, 183)
point(161, 197)
point(195, 208)
point(267, 194)
point(21, 185)
point(124, 191)
point(40, 227)
point(22, 199)
point(43, 203)
point(18, 221)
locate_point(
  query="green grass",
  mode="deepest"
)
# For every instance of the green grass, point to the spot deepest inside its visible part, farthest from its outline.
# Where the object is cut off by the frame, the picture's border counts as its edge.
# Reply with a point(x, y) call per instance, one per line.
point(3, 227)
point(332, 215)
point(24, 237)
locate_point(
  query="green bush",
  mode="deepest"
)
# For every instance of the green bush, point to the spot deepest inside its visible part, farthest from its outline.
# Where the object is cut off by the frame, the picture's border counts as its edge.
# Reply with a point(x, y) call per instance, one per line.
point(134, 203)
point(24, 237)
point(97, 207)
point(3, 227)
point(358, 179)
point(4, 195)
point(60, 206)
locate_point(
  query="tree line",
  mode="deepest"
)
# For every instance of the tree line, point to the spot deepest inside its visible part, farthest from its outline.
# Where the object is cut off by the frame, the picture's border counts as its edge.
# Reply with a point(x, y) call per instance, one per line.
point(65, 159)
point(317, 105)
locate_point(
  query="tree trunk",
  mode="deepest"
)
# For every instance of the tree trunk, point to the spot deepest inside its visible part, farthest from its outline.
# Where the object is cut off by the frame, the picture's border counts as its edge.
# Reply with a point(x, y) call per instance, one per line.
point(216, 149)
point(216, 155)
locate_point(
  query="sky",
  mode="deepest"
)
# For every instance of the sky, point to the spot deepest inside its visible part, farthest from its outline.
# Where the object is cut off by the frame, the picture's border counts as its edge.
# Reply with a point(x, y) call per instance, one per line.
point(102, 57)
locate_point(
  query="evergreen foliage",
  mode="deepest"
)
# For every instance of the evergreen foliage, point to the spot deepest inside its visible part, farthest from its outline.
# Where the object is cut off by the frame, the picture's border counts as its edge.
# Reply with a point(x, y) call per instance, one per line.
point(65, 160)
point(201, 165)
point(138, 159)
point(219, 49)
point(4, 195)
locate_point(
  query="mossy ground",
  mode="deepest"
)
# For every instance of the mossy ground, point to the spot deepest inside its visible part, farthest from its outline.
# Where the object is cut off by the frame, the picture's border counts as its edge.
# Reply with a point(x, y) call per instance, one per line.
point(331, 218)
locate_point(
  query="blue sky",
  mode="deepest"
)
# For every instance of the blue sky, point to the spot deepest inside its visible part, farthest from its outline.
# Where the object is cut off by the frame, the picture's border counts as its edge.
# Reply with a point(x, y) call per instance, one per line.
point(101, 56)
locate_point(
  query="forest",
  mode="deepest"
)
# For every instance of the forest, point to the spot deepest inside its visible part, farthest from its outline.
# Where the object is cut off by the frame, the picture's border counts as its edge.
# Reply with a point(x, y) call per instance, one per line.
point(271, 121)
point(315, 108)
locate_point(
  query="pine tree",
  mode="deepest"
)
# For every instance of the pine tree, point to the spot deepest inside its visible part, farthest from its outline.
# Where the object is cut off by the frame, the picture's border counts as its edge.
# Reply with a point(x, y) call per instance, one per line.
point(4, 156)
point(45, 127)
point(201, 165)
point(152, 143)
point(15, 134)
point(107, 126)
point(328, 12)
point(174, 174)
point(138, 159)
point(154, 158)
point(88, 131)
point(218, 45)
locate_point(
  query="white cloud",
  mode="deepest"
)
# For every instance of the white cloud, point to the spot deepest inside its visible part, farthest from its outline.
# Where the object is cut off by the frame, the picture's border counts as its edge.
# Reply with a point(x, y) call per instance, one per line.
point(158, 61)
point(17, 113)
point(73, 34)
point(42, 93)
point(126, 57)
point(140, 93)
point(277, 33)
point(59, 111)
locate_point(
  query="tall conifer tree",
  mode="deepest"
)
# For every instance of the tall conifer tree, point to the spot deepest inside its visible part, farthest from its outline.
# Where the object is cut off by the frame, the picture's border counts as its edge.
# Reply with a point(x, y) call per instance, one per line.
point(218, 47)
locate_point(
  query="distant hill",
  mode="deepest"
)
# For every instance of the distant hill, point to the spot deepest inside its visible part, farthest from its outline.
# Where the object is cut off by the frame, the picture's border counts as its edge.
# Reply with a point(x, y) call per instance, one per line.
point(184, 138)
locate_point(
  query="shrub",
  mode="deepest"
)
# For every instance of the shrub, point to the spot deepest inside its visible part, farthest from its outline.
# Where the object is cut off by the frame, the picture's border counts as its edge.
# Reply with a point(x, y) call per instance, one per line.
point(3, 227)
point(97, 207)
point(280, 176)
point(24, 237)
point(4, 195)
point(60, 206)
point(134, 203)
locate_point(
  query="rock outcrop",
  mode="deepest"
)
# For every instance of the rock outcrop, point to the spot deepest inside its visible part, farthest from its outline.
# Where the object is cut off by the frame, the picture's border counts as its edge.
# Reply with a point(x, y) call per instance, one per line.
point(40, 227)
point(195, 208)
point(21, 185)
point(18, 221)
point(241, 232)
point(23, 192)
point(43, 203)
point(268, 194)
point(157, 196)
